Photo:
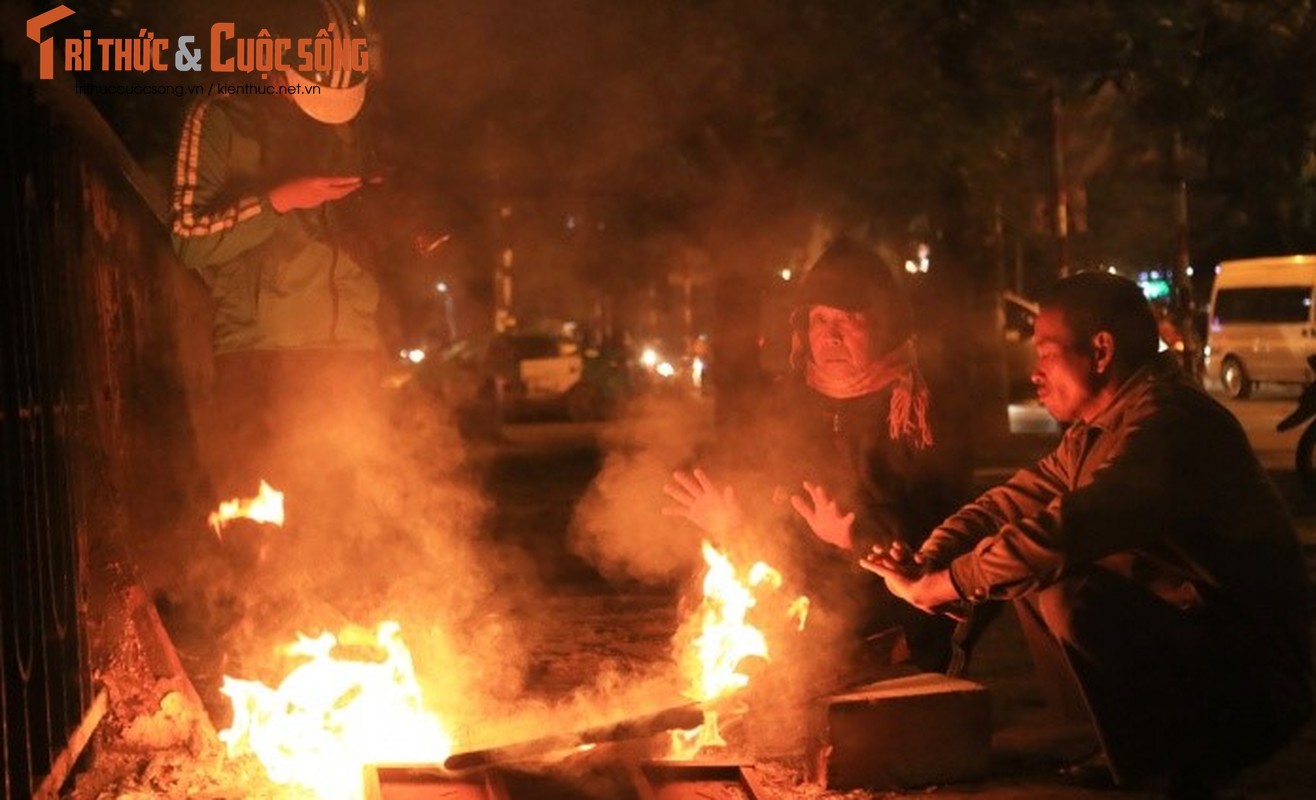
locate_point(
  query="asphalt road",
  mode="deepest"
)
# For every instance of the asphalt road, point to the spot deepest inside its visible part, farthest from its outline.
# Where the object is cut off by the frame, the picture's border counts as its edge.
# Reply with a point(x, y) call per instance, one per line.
point(541, 470)
point(1259, 417)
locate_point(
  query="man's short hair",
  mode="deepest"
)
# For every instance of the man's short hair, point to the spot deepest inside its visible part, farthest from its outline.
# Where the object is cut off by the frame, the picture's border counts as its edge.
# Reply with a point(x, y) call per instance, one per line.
point(1098, 301)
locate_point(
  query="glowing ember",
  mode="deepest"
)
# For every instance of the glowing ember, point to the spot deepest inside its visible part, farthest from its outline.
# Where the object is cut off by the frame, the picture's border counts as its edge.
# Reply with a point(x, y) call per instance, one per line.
point(331, 716)
point(266, 506)
point(725, 639)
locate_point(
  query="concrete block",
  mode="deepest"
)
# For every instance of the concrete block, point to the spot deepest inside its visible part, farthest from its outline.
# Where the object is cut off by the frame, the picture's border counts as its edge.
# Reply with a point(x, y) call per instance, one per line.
point(906, 732)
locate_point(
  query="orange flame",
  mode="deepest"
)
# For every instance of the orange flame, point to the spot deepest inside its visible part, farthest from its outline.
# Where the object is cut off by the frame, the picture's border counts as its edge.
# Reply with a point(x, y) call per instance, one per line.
point(330, 717)
point(725, 639)
point(266, 506)
point(799, 611)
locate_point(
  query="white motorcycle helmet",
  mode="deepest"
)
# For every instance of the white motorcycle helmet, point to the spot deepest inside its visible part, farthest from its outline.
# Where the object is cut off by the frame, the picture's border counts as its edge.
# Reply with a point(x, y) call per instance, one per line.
point(333, 95)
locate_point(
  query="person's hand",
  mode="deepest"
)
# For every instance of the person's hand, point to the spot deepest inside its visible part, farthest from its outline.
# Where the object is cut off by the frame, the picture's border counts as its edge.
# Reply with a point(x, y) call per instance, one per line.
point(907, 578)
point(312, 192)
point(824, 517)
point(897, 557)
point(715, 511)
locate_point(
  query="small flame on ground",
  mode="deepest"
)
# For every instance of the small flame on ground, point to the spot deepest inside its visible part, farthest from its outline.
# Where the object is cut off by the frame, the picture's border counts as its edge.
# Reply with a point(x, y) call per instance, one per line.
point(761, 573)
point(266, 506)
point(331, 716)
point(687, 744)
point(724, 641)
point(799, 611)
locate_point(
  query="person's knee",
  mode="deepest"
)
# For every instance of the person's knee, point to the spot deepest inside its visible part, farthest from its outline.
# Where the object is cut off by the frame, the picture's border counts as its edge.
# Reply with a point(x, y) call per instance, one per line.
point(1094, 603)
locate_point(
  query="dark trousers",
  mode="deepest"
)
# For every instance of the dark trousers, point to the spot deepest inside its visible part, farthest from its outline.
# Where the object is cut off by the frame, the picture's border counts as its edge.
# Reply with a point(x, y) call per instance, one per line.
point(1166, 688)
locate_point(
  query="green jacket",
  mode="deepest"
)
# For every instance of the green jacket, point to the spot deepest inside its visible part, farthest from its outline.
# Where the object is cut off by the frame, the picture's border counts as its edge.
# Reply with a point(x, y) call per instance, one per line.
point(279, 281)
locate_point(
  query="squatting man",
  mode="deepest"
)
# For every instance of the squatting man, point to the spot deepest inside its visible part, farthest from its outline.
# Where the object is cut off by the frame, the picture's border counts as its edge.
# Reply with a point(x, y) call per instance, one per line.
point(1154, 568)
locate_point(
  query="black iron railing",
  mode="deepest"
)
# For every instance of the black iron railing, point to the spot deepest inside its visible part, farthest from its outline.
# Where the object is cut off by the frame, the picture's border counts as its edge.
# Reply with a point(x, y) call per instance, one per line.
point(95, 422)
point(44, 405)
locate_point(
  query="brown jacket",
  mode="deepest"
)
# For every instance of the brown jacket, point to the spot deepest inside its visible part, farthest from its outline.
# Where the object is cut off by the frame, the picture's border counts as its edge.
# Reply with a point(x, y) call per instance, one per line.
point(1162, 488)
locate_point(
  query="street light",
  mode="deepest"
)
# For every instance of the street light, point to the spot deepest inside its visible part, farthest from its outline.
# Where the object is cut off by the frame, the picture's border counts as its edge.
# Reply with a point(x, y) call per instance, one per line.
point(924, 260)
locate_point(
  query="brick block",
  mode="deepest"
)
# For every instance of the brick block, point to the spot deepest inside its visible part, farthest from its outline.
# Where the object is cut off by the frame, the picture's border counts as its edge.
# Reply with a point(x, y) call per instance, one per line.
point(906, 732)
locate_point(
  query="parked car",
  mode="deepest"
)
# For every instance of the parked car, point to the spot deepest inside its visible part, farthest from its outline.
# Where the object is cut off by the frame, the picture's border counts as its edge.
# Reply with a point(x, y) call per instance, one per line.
point(543, 373)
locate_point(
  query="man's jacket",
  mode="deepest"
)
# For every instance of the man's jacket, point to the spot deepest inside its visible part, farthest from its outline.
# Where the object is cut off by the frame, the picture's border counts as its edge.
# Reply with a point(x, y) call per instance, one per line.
point(1162, 488)
point(279, 281)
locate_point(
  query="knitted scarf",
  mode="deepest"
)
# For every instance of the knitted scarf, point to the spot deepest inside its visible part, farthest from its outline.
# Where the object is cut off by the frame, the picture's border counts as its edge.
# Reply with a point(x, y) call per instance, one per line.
point(908, 416)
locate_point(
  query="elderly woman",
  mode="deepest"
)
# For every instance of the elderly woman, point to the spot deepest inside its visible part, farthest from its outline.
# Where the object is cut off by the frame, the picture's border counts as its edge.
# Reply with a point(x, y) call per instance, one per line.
point(850, 431)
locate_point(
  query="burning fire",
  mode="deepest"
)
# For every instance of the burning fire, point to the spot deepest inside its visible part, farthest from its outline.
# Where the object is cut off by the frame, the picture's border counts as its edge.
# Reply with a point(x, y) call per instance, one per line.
point(725, 639)
point(333, 715)
point(266, 506)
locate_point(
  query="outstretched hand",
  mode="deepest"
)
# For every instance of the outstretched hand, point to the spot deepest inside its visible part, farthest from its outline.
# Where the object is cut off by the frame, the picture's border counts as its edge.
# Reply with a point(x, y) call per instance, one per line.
point(907, 577)
point(312, 192)
point(894, 562)
point(824, 517)
point(715, 511)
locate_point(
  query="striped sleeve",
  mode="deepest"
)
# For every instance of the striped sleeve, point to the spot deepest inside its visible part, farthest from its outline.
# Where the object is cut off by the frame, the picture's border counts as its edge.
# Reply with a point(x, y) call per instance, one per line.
point(207, 228)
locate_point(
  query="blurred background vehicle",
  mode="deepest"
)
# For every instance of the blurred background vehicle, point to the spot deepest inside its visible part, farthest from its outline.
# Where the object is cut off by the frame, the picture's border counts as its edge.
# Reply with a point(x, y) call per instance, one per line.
point(541, 373)
point(1262, 323)
point(1019, 315)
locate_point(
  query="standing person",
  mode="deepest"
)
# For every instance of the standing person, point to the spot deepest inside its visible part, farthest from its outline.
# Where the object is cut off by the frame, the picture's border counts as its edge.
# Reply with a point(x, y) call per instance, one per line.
point(850, 432)
point(1152, 564)
point(261, 187)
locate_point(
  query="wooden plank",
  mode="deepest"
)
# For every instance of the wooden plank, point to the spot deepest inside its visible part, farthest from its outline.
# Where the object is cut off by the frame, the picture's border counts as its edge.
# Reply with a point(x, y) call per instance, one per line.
point(682, 717)
point(62, 767)
point(430, 782)
point(655, 780)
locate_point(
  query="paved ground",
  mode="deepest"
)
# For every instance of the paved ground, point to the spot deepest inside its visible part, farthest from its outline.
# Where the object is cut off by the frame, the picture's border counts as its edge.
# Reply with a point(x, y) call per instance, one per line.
point(578, 626)
point(1027, 745)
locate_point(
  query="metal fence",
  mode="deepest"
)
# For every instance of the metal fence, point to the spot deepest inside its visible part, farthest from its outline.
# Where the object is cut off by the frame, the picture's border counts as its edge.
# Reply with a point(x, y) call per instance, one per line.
point(92, 322)
point(46, 686)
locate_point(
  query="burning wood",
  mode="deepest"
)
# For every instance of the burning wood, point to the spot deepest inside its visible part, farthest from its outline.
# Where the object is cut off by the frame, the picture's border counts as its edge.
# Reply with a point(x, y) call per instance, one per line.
point(724, 641)
point(333, 714)
point(266, 506)
point(675, 718)
point(720, 642)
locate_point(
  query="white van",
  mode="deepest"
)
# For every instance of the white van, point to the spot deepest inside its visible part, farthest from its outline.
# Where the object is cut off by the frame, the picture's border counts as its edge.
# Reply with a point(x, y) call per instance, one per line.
point(1261, 324)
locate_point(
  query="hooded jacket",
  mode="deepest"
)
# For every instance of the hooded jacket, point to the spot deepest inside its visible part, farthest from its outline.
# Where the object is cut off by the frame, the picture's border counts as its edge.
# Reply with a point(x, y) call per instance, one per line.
point(873, 452)
point(279, 281)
